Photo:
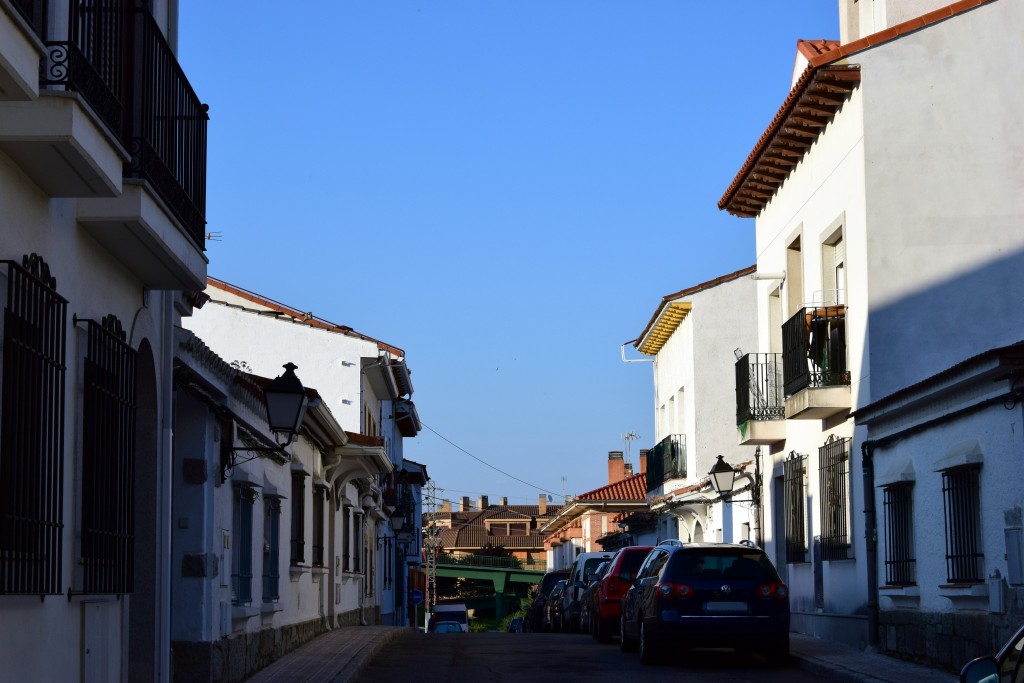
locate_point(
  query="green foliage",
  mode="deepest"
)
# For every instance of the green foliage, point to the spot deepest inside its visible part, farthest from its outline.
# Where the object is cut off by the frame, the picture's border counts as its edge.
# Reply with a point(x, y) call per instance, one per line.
point(503, 626)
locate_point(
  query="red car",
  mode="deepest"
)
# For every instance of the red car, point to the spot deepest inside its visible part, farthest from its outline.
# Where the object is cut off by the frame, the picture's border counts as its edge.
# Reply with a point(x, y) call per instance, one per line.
point(614, 584)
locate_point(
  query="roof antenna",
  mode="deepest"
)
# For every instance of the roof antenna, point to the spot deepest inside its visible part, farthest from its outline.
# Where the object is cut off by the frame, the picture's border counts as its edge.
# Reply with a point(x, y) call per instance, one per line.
point(628, 437)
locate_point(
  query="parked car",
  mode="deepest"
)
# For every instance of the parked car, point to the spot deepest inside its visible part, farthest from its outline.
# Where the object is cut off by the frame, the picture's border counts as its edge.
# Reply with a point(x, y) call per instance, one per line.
point(446, 627)
point(535, 612)
point(452, 611)
point(587, 601)
point(515, 625)
point(552, 608)
point(607, 609)
point(580, 574)
point(706, 595)
point(1007, 666)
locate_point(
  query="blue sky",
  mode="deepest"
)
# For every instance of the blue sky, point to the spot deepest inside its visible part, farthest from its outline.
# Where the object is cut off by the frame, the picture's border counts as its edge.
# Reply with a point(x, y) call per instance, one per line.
point(505, 190)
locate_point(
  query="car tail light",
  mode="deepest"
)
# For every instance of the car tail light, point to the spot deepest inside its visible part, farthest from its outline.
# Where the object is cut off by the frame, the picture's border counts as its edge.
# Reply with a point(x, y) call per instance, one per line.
point(674, 590)
point(777, 591)
point(616, 587)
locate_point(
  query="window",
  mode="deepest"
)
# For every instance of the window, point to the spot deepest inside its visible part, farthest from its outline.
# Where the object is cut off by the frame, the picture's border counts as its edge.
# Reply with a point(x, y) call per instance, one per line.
point(241, 548)
point(108, 458)
point(298, 518)
point(834, 498)
point(346, 540)
point(32, 431)
point(898, 504)
point(796, 536)
point(319, 496)
point(272, 550)
point(961, 506)
point(794, 277)
point(833, 270)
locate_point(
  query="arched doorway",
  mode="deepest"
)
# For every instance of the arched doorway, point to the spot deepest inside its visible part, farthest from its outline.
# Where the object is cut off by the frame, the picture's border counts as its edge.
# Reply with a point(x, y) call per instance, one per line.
point(142, 604)
point(698, 531)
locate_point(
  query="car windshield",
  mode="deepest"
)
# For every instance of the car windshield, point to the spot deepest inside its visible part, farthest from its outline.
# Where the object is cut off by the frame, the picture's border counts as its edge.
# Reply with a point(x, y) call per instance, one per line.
point(721, 564)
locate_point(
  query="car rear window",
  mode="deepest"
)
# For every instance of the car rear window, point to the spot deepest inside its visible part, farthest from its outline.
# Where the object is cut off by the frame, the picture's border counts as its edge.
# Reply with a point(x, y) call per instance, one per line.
point(632, 561)
point(719, 564)
point(590, 566)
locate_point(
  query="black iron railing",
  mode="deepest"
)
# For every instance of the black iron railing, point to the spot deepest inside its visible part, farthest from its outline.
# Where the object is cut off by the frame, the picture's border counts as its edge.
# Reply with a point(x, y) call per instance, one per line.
point(814, 349)
point(241, 571)
point(759, 388)
point(666, 461)
point(108, 460)
point(794, 501)
point(32, 431)
point(298, 544)
point(116, 57)
point(962, 507)
point(272, 551)
point(319, 497)
point(834, 499)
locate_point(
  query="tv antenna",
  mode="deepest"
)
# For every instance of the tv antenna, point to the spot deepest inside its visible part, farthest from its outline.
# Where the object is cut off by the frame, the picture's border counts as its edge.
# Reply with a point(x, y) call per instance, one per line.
point(627, 438)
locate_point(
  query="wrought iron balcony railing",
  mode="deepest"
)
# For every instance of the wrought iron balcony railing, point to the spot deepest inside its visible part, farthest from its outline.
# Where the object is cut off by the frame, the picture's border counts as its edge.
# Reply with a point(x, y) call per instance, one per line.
point(33, 12)
point(759, 388)
point(666, 461)
point(814, 349)
point(117, 59)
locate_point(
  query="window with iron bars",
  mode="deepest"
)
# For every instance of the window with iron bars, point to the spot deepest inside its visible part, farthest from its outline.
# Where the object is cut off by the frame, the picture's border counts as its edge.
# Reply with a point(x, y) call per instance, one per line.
point(298, 518)
point(834, 499)
point(32, 430)
point(796, 533)
point(319, 497)
point(241, 548)
point(272, 550)
point(900, 565)
point(108, 457)
point(962, 510)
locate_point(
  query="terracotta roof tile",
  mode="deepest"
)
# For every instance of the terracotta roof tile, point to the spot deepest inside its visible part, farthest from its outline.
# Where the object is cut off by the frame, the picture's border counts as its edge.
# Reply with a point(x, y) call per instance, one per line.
point(630, 488)
point(814, 48)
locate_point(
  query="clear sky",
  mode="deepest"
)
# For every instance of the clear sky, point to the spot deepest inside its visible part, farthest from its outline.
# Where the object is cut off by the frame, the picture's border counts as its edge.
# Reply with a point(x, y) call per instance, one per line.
point(503, 189)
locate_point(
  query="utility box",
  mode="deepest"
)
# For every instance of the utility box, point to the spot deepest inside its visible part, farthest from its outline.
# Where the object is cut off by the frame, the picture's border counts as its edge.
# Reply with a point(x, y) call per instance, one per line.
point(1014, 556)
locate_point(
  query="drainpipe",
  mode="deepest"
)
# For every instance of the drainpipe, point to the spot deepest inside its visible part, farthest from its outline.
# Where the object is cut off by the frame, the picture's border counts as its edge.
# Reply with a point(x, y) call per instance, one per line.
point(164, 479)
point(871, 539)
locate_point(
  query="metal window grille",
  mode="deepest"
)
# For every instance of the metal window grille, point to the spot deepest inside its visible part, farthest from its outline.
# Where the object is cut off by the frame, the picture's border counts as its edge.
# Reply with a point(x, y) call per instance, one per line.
point(796, 534)
point(32, 431)
point(298, 518)
point(666, 461)
point(272, 551)
point(319, 496)
point(346, 533)
point(900, 565)
point(834, 499)
point(241, 570)
point(108, 460)
point(759, 388)
point(962, 509)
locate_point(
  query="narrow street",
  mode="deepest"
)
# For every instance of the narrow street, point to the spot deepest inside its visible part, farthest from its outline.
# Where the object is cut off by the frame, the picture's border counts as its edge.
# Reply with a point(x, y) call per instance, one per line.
point(547, 657)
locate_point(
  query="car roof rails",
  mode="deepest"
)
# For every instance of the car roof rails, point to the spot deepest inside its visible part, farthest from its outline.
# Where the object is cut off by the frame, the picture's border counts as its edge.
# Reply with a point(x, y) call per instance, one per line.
point(750, 544)
point(674, 542)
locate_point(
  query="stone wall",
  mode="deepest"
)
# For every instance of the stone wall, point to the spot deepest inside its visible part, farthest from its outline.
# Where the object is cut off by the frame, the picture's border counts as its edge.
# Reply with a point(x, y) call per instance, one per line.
point(948, 640)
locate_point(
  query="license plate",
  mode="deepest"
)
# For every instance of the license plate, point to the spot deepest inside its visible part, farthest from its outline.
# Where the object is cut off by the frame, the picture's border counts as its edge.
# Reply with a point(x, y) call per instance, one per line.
point(724, 606)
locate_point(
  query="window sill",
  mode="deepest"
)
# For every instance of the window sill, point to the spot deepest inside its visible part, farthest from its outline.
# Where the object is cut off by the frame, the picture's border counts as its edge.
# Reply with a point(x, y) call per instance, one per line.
point(901, 596)
point(966, 596)
point(318, 572)
point(239, 612)
point(271, 607)
point(296, 571)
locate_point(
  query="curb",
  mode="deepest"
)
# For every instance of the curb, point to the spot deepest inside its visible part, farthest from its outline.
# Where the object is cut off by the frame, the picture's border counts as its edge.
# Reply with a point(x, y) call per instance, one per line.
point(831, 671)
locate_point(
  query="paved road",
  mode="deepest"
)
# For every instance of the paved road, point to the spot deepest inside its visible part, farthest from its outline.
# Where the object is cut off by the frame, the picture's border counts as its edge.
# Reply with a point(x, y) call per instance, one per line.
point(554, 658)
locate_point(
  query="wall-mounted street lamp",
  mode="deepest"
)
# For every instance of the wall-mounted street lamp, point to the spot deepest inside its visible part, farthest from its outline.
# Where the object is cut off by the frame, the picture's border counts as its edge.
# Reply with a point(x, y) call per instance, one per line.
point(723, 478)
point(286, 403)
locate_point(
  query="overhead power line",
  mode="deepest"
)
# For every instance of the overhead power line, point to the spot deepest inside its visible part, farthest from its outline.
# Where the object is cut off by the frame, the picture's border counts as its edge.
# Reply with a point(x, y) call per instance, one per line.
point(484, 462)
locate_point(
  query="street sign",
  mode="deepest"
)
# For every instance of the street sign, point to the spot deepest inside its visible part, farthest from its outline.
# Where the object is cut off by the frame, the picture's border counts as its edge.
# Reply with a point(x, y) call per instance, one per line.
point(416, 596)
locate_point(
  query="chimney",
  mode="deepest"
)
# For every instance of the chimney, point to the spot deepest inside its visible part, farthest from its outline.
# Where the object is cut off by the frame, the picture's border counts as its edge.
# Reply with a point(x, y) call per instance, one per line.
point(465, 504)
point(504, 501)
point(643, 460)
point(483, 502)
point(542, 505)
point(616, 467)
point(446, 506)
point(628, 470)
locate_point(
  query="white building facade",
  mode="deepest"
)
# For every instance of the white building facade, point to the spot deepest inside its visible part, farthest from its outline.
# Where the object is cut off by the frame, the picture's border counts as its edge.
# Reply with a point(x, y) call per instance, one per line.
point(694, 337)
point(885, 221)
point(103, 239)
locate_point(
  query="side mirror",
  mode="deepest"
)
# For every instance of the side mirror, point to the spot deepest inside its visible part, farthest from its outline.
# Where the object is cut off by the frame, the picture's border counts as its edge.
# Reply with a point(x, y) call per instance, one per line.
point(981, 670)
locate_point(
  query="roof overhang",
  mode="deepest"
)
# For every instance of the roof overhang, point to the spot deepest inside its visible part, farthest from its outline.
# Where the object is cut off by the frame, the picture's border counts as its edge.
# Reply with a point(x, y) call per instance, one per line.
point(407, 418)
point(381, 378)
point(664, 324)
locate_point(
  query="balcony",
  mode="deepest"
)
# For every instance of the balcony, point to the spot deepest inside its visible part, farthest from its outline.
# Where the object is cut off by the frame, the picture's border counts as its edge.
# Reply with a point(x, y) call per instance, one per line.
point(666, 461)
point(760, 404)
point(112, 104)
point(815, 376)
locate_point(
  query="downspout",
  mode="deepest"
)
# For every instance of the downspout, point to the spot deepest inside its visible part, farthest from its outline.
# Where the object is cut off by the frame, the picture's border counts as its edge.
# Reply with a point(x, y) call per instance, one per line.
point(362, 568)
point(871, 538)
point(164, 475)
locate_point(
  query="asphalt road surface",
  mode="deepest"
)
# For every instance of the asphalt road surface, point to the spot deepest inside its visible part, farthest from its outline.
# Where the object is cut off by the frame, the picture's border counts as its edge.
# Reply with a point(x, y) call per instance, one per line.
point(554, 658)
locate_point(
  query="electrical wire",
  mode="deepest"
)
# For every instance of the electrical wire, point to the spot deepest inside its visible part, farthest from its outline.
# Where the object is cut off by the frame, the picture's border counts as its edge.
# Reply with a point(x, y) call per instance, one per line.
point(484, 462)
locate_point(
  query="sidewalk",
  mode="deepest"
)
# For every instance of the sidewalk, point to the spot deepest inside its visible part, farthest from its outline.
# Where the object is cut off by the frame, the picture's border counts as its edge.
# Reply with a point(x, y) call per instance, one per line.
point(340, 655)
point(837, 662)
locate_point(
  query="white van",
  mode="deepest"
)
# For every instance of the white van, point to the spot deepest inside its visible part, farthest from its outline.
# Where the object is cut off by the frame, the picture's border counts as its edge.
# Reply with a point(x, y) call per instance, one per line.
point(580, 574)
point(450, 611)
